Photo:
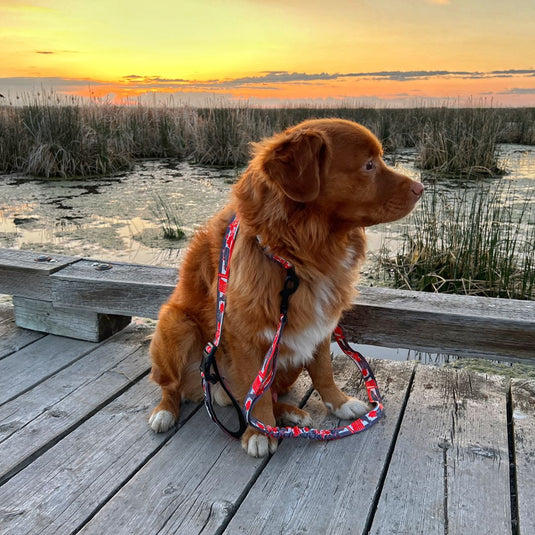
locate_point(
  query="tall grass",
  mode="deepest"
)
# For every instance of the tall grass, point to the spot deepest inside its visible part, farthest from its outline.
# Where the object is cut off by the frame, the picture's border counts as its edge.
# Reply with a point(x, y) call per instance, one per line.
point(453, 143)
point(486, 249)
point(169, 219)
point(48, 137)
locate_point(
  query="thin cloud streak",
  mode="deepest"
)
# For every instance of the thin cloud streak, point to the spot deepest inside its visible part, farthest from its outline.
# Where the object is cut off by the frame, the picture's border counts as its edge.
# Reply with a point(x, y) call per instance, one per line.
point(284, 86)
point(284, 77)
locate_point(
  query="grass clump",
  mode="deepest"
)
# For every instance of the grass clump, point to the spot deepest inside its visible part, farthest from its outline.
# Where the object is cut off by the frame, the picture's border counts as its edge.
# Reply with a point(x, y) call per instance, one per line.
point(487, 249)
point(167, 214)
point(450, 142)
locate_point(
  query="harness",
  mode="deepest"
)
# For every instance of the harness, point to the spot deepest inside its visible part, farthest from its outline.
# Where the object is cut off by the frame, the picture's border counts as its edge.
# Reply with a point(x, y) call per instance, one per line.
point(210, 373)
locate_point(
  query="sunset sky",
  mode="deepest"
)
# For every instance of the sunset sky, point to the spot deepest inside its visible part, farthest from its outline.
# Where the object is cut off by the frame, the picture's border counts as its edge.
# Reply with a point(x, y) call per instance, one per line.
point(377, 52)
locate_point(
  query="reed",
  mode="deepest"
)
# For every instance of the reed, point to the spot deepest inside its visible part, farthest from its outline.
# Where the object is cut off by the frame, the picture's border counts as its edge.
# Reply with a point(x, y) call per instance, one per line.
point(488, 249)
point(49, 136)
point(169, 218)
point(450, 142)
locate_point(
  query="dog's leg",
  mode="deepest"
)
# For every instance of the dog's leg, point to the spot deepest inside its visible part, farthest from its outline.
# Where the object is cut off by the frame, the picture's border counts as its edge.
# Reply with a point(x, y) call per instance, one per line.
point(321, 373)
point(286, 414)
point(176, 350)
point(255, 443)
point(241, 377)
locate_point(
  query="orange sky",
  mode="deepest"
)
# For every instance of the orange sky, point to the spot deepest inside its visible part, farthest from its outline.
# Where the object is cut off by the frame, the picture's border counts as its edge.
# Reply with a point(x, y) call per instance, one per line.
point(383, 52)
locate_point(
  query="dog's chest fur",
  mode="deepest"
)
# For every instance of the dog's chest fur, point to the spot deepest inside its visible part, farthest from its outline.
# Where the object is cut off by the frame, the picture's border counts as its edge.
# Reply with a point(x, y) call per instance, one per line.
point(313, 317)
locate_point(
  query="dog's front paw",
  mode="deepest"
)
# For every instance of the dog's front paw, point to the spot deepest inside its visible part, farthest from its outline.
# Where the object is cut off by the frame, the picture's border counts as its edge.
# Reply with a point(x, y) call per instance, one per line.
point(258, 445)
point(352, 408)
point(289, 415)
point(161, 421)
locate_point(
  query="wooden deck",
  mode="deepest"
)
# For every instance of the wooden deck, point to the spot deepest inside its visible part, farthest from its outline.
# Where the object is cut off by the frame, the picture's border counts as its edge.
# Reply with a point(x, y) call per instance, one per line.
point(455, 452)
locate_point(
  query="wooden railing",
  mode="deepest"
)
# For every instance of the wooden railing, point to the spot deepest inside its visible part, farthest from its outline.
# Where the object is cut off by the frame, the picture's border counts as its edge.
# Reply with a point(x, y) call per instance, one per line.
point(90, 299)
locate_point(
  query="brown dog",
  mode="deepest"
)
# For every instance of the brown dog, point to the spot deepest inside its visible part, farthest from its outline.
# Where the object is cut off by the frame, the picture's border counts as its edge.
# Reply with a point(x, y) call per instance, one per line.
point(307, 195)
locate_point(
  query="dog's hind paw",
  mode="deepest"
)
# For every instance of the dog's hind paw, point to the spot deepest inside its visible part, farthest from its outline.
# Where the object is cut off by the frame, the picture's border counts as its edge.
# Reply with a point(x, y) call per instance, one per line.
point(257, 445)
point(161, 421)
point(352, 408)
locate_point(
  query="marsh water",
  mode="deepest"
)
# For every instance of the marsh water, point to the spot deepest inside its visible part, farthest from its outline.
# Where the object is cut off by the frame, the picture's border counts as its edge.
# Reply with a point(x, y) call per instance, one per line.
point(119, 218)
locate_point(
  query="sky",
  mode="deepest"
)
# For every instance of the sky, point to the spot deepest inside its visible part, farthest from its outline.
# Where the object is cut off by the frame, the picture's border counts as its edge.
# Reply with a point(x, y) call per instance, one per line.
point(273, 52)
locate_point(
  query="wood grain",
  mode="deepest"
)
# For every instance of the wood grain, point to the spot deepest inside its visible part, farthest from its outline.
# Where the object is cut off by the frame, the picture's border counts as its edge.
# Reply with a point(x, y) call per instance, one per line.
point(450, 468)
point(523, 409)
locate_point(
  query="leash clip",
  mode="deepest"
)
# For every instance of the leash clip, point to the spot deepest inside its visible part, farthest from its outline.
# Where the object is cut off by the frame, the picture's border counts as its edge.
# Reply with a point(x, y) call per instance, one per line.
point(291, 283)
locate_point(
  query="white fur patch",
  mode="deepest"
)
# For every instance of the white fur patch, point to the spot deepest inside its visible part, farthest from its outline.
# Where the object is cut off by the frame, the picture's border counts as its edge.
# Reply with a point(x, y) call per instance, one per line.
point(161, 421)
point(298, 349)
point(352, 408)
point(259, 446)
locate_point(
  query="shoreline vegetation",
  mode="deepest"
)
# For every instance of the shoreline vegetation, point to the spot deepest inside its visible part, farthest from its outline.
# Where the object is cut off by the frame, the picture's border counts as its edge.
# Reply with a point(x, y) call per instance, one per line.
point(479, 241)
point(49, 138)
point(485, 249)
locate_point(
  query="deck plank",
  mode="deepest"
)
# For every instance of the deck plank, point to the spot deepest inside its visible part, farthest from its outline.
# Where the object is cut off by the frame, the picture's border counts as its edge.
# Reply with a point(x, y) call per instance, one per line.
point(79, 455)
point(33, 364)
point(289, 496)
point(12, 338)
point(38, 418)
point(523, 401)
point(61, 489)
point(190, 486)
point(450, 468)
point(193, 485)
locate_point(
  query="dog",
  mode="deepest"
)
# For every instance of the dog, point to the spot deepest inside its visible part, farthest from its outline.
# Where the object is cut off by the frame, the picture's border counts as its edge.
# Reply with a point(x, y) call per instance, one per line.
point(307, 195)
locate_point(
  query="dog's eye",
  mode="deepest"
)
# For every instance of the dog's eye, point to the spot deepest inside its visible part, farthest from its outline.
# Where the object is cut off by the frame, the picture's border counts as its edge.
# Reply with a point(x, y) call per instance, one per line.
point(370, 165)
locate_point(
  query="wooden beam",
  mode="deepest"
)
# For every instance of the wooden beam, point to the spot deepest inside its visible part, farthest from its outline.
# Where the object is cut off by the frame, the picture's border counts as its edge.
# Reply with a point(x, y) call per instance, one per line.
point(81, 324)
point(27, 273)
point(468, 326)
point(461, 325)
point(124, 289)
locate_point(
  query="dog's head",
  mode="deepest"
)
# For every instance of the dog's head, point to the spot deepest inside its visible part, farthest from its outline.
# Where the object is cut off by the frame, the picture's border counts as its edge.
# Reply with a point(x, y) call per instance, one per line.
point(336, 165)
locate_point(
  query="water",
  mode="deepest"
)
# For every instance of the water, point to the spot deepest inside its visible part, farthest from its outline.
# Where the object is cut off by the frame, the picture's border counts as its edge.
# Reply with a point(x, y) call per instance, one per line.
point(114, 218)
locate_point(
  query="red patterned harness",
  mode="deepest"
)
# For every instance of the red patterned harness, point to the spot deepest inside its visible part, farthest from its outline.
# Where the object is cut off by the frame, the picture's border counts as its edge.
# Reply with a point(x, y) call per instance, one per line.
point(210, 374)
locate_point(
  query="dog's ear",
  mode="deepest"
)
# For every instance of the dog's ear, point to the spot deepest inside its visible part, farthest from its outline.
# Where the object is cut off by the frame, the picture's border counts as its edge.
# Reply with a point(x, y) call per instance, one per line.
point(295, 162)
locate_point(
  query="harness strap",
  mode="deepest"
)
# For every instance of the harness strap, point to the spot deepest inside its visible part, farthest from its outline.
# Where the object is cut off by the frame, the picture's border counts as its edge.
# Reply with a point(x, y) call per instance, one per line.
point(266, 374)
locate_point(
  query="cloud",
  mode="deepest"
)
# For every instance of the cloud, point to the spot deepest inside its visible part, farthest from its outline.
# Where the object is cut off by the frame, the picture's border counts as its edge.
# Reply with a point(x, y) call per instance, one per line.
point(44, 52)
point(519, 91)
point(271, 83)
point(282, 77)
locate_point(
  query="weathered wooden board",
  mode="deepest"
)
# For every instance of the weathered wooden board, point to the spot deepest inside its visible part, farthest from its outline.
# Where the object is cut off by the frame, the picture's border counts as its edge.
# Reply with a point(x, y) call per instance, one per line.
point(61, 489)
point(191, 486)
point(463, 325)
point(469, 326)
point(125, 289)
point(33, 364)
point(523, 405)
point(450, 469)
point(313, 487)
point(75, 323)
point(26, 273)
point(12, 338)
point(37, 419)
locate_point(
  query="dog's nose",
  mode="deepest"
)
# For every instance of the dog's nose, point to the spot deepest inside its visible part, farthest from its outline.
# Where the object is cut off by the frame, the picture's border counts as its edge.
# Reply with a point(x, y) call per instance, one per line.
point(417, 189)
